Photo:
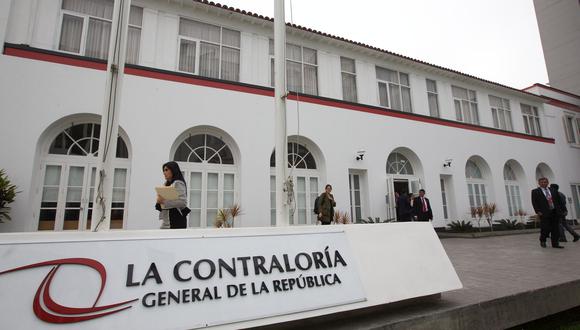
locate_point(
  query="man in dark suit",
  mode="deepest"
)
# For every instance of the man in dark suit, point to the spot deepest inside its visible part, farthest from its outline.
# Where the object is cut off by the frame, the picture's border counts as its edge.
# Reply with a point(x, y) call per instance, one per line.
point(404, 208)
point(422, 207)
point(547, 204)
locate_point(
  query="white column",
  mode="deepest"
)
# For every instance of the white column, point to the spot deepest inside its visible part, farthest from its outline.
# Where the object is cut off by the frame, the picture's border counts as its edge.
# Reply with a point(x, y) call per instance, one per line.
point(101, 219)
point(282, 218)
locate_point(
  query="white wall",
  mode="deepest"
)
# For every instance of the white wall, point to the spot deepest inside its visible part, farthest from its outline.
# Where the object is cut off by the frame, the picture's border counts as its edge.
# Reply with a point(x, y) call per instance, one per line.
point(156, 112)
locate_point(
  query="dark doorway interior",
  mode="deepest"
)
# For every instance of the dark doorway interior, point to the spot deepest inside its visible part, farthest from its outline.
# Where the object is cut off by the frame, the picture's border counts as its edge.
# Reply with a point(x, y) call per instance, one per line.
point(401, 187)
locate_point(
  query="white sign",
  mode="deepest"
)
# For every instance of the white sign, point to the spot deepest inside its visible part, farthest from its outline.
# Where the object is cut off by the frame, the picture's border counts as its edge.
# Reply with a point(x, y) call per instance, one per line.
point(174, 283)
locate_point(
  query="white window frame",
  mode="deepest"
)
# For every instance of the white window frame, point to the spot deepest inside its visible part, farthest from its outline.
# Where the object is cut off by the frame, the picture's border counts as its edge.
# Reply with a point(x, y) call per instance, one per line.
point(501, 112)
point(350, 74)
point(198, 49)
point(399, 85)
point(433, 112)
point(84, 33)
point(571, 124)
point(302, 64)
point(140, 27)
point(473, 110)
point(532, 124)
point(86, 18)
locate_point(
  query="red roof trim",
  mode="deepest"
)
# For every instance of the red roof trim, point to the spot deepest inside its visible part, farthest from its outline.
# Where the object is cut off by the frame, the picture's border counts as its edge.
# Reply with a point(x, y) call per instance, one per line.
point(565, 105)
point(66, 59)
point(47, 56)
point(324, 34)
point(553, 89)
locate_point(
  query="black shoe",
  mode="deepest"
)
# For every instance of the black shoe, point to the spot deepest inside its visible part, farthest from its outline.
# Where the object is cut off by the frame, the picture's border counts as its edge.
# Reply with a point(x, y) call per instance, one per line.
point(576, 239)
point(563, 240)
point(558, 247)
point(543, 244)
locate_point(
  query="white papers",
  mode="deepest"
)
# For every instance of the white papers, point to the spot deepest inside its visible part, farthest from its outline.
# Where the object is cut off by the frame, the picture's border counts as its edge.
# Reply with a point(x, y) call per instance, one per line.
point(167, 192)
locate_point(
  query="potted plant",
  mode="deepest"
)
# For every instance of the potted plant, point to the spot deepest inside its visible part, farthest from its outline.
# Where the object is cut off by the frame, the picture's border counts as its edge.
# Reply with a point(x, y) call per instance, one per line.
point(489, 210)
point(7, 194)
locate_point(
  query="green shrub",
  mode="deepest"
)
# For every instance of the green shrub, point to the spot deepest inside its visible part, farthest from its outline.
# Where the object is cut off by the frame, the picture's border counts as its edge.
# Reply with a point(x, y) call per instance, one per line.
point(375, 220)
point(461, 226)
point(7, 194)
point(507, 224)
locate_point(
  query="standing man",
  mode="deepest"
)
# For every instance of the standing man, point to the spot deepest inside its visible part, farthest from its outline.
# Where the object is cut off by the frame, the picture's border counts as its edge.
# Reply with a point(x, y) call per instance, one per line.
point(422, 207)
point(563, 213)
point(404, 208)
point(547, 204)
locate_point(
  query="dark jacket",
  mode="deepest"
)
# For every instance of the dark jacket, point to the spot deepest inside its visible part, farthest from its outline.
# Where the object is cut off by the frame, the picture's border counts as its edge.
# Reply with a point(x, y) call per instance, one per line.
point(541, 205)
point(418, 209)
point(326, 207)
point(404, 208)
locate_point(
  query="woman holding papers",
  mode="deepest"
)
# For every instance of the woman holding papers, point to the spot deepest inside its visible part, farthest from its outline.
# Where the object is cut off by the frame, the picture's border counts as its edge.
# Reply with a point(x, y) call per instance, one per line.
point(172, 199)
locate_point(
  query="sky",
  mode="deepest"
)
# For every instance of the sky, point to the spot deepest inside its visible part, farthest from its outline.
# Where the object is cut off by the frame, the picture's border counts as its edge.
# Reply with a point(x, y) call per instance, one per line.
point(496, 40)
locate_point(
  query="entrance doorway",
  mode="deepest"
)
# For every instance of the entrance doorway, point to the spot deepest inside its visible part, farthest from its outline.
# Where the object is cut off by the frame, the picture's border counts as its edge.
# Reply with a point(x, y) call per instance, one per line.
point(401, 186)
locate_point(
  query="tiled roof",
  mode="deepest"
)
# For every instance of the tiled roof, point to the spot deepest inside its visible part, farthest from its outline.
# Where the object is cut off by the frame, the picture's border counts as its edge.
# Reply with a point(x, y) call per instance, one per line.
point(360, 44)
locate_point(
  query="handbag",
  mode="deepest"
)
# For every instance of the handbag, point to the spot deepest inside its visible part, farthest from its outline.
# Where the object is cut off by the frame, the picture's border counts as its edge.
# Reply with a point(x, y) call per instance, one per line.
point(185, 211)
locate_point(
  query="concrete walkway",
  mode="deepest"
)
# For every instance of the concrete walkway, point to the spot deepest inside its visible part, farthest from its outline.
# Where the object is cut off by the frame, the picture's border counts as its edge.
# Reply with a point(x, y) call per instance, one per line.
point(507, 281)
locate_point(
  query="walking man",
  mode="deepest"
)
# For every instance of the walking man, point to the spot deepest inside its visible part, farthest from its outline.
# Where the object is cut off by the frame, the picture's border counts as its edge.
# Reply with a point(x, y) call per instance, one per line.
point(547, 204)
point(422, 208)
point(564, 212)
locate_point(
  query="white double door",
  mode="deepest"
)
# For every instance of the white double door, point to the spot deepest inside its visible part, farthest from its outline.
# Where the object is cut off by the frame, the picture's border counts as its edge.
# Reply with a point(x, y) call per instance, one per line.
point(209, 190)
point(306, 189)
point(67, 195)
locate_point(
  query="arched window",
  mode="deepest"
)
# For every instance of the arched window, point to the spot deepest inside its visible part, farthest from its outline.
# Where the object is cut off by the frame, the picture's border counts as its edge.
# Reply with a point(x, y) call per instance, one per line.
point(68, 180)
point(305, 175)
point(476, 189)
point(298, 157)
point(512, 190)
point(472, 171)
point(399, 164)
point(210, 173)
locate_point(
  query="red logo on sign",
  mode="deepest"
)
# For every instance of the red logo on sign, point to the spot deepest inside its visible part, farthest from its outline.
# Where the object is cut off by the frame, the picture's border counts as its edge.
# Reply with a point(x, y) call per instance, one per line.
point(46, 309)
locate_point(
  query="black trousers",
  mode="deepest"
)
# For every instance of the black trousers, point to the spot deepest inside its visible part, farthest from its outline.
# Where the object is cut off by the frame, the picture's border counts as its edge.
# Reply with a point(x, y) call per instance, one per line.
point(550, 225)
point(176, 219)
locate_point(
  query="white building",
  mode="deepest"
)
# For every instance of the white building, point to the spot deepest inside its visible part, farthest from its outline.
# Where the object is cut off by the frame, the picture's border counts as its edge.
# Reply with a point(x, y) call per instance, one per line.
point(198, 90)
point(559, 23)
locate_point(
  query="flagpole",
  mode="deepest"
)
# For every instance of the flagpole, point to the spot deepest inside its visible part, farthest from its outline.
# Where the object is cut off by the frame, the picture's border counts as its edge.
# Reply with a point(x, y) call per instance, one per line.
point(101, 217)
point(282, 218)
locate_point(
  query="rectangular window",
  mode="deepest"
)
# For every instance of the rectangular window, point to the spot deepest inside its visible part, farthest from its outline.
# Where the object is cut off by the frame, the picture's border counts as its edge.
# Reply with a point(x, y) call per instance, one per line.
point(575, 199)
point(301, 68)
point(531, 119)
point(209, 50)
point(465, 102)
point(354, 185)
point(476, 194)
point(394, 89)
point(444, 199)
point(348, 72)
point(134, 35)
point(86, 29)
point(572, 132)
point(501, 113)
point(432, 97)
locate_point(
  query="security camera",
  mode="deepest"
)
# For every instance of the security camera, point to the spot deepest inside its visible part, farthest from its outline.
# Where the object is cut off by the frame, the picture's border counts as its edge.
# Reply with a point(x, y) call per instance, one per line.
point(360, 154)
point(447, 163)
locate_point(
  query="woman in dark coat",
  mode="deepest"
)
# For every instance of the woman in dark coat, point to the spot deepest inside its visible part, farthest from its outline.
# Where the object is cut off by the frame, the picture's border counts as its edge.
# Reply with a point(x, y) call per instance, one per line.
point(326, 206)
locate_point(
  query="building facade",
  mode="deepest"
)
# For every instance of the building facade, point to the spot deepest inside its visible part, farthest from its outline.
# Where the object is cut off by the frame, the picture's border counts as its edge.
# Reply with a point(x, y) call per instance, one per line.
point(559, 23)
point(198, 90)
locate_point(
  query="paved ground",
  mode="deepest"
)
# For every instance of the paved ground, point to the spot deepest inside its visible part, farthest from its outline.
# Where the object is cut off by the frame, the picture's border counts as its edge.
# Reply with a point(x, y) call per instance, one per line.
point(507, 281)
